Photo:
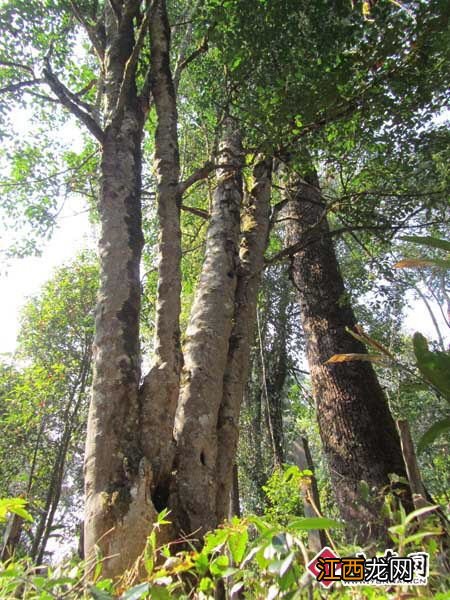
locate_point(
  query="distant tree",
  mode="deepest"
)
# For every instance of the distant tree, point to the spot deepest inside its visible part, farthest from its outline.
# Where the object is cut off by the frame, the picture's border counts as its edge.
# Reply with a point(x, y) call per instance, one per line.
point(45, 400)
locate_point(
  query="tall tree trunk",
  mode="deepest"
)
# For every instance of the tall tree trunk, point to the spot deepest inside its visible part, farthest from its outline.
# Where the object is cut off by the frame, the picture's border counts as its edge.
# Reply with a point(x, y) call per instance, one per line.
point(235, 504)
point(159, 394)
point(206, 349)
point(357, 429)
point(276, 378)
point(255, 230)
point(118, 508)
point(251, 439)
point(301, 456)
point(11, 539)
point(45, 526)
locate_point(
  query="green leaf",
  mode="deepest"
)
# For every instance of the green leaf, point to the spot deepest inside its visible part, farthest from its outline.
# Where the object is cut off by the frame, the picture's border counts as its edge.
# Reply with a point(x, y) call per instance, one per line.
point(158, 592)
point(161, 518)
point(428, 240)
point(136, 592)
point(99, 594)
point(253, 552)
point(275, 566)
point(214, 540)
point(235, 64)
point(364, 490)
point(16, 506)
point(238, 544)
point(286, 563)
point(229, 571)
point(309, 523)
point(418, 537)
point(262, 526)
point(219, 565)
point(433, 433)
point(206, 584)
point(435, 366)
point(202, 563)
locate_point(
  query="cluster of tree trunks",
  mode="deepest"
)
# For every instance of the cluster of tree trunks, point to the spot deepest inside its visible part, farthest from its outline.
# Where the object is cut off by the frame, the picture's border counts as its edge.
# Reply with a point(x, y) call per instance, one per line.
point(171, 441)
point(168, 438)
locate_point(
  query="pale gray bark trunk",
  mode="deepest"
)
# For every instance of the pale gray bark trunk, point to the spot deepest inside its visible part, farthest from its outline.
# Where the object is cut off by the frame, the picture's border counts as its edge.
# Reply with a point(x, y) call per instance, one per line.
point(159, 395)
point(119, 512)
point(254, 237)
point(206, 349)
point(113, 468)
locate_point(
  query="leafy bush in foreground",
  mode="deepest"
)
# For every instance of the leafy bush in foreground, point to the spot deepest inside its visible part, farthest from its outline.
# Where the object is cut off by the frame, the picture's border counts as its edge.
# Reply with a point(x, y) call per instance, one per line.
point(245, 558)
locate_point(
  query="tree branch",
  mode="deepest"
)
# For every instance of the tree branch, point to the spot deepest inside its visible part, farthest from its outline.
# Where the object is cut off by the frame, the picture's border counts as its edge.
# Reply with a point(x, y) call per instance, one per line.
point(91, 30)
point(198, 212)
point(15, 65)
point(68, 99)
point(200, 50)
point(199, 174)
point(13, 87)
point(86, 89)
point(42, 96)
point(181, 62)
point(130, 67)
point(117, 9)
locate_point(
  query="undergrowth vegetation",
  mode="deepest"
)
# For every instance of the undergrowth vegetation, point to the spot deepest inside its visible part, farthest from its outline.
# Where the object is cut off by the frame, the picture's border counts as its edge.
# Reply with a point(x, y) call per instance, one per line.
point(252, 557)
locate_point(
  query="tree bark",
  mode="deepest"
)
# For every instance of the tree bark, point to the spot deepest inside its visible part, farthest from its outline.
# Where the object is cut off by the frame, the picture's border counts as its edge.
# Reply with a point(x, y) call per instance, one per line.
point(357, 429)
point(159, 394)
point(119, 511)
point(206, 350)
point(419, 495)
point(276, 378)
point(11, 539)
point(301, 456)
point(255, 230)
point(235, 504)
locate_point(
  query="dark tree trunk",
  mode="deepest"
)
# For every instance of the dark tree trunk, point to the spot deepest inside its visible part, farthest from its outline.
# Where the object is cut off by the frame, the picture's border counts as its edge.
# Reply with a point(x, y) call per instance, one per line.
point(357, 429)
point(235, 505)
point(276, 378)
point(12, 535)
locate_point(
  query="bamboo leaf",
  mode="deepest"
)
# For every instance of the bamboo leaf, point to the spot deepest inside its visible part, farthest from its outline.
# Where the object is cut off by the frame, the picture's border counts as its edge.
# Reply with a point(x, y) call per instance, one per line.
point(414, 263)
point(429, 241)
point(314, 523)
point(339, 358)
point(419, 513)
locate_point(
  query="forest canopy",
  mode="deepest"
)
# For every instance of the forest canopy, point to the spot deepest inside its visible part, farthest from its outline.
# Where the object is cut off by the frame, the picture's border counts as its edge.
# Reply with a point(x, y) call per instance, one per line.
point(226, 386)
